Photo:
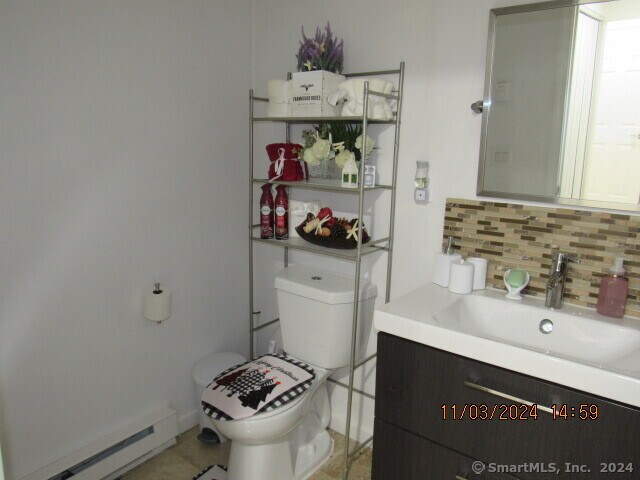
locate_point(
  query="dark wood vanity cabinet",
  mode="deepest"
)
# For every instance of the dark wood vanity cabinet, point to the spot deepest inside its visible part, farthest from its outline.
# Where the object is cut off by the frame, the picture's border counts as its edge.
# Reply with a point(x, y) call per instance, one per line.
point(402, 455)
point(420, 389)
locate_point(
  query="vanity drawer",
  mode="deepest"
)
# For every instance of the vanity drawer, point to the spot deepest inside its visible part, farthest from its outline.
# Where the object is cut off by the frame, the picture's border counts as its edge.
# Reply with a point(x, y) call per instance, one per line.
point(398, 454)
point(415, 381)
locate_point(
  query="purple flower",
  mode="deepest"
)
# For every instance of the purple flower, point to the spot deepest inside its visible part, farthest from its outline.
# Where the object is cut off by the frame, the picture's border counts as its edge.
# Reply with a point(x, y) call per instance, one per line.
point(322, 52)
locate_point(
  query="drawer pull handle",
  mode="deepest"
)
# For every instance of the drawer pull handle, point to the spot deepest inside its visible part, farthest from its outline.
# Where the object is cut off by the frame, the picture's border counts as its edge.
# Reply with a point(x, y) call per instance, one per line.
point(458, 477)
point(506, 396)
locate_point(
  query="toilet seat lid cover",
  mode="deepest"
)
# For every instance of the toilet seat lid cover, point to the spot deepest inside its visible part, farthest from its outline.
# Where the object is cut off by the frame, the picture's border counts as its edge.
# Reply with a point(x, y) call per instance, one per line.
point(261, 385)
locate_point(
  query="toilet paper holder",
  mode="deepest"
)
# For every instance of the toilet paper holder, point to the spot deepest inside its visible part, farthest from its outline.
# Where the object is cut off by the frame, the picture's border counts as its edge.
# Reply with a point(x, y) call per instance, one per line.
point(157, 304)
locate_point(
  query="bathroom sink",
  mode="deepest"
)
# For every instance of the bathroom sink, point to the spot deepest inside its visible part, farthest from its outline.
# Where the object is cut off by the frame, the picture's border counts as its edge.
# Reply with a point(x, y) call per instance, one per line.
point(570, 336)
point(574, 346)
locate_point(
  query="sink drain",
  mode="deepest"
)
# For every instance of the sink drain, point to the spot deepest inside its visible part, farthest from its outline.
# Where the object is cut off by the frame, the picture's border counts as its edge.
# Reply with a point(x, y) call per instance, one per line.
point(546, 326)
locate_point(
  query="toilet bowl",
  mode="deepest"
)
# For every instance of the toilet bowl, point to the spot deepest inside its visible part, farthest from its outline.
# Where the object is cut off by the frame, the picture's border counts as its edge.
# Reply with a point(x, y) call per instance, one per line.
point(205, 370)
point(292, 441)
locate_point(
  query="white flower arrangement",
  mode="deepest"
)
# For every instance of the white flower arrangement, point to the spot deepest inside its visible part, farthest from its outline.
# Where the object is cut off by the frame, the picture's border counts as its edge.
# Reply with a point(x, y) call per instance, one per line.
point(368, 145)
point(343, 156)
point(310, 157)
point(319, 144)
point(322, 148)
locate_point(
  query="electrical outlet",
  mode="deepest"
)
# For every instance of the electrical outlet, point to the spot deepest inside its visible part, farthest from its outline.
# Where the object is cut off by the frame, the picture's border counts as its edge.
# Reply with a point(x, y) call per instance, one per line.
point(421, 195)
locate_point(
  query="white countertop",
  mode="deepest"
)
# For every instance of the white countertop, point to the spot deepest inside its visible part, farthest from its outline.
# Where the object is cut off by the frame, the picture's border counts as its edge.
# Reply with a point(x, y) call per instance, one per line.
point(415, 316)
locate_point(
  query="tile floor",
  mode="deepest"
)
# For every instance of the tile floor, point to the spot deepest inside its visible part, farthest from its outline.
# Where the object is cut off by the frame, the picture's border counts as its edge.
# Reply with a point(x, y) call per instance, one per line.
point(190, 456)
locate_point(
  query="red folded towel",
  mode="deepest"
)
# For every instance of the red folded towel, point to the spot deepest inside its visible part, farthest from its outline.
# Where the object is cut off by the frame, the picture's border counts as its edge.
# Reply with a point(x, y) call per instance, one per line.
point(285, 164)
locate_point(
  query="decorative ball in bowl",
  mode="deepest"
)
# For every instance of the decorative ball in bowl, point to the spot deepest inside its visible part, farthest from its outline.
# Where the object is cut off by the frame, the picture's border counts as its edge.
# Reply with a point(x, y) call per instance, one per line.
point(325, 230)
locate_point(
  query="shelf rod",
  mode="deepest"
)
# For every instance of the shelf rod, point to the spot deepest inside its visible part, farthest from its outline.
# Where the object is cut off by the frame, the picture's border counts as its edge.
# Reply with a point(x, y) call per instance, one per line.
point(251, 306)
point(260, 327)
point(385, 95)
point(260, 99)
point(362, 362)
point(320, 186)
point(327, 252)
point(350, 119)
point(374, 72)
point(394, 181)
point(381, 240)
point(361, 446)
point(356, 286)
point(357, 390)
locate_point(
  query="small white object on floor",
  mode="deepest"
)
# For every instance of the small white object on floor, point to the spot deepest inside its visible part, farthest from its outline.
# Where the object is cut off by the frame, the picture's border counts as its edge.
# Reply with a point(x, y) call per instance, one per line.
point(213, 472)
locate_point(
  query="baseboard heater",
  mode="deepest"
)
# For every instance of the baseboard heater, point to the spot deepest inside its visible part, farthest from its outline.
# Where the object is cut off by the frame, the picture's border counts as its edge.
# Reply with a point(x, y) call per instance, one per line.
point(117, 453)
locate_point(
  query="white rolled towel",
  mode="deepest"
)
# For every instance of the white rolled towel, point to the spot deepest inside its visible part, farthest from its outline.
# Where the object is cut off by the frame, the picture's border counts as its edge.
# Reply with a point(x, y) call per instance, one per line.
point(352, 92)
point(379, 108)
point(279, 101)
point(278, 91)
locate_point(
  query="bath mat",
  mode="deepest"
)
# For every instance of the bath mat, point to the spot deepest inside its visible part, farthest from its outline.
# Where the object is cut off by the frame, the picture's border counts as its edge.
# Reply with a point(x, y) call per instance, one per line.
point(213, 472)
point(258, 386)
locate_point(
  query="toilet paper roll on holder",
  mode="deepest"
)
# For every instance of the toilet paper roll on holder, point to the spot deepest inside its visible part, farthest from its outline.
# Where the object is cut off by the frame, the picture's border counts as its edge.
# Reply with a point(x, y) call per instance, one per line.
point(157, 304)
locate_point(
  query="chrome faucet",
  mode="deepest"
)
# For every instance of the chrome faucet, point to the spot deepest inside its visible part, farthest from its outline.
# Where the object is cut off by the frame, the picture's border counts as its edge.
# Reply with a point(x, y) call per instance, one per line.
point(557, 278)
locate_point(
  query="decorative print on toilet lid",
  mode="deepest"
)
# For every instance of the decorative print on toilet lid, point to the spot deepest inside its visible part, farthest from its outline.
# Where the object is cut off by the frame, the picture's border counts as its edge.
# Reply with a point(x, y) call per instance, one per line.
point(212, 472)
point(258, 386)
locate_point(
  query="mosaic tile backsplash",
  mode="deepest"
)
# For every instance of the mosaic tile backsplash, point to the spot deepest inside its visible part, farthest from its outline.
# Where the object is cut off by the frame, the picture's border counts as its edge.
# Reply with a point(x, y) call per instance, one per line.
point(523, 236)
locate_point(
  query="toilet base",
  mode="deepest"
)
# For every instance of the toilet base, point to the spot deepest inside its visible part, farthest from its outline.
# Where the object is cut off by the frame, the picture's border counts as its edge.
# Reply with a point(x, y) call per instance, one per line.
point(249, 462)
point(313, 455)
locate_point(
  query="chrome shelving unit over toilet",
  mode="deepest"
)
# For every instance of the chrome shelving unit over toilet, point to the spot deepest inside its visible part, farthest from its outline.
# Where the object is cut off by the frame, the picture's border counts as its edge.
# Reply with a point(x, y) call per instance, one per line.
point(375, 244)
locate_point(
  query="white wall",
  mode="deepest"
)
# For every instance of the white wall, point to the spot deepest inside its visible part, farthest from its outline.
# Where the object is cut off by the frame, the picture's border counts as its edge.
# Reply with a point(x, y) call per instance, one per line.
point(443, 44)
point(122, 144)
point(620, 10)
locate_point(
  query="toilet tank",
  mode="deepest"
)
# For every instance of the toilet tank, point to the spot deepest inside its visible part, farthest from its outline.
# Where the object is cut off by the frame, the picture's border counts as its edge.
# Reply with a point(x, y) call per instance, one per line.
point(316, 312)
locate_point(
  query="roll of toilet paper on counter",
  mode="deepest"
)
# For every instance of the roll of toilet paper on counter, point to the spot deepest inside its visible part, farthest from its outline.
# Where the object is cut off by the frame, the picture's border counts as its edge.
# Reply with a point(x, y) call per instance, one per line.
point(461, 277)
point(479, 272)
point(442, 268)
point(157, 305)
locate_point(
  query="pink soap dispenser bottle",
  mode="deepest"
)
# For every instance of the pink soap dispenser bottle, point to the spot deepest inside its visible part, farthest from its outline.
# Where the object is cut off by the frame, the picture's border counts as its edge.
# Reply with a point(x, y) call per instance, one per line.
point(613, 291)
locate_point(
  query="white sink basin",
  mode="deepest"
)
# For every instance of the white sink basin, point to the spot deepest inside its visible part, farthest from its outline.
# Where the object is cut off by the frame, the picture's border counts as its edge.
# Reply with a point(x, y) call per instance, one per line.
point(584, 350)
point(595, 341)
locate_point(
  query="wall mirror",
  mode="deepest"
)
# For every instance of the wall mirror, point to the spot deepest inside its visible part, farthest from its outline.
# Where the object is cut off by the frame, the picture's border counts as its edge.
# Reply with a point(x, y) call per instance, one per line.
point(561, 107)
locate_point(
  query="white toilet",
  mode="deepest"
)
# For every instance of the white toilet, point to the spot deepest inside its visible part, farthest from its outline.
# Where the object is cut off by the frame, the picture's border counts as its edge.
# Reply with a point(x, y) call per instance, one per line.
point(291, 442)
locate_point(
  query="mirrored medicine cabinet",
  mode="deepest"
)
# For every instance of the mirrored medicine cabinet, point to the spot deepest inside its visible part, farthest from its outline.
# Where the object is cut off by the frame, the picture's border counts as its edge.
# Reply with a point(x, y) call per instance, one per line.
point(561, 106)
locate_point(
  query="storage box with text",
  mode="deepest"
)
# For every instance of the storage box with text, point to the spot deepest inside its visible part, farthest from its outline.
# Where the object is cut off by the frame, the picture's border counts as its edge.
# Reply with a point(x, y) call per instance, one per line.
point(309, 92)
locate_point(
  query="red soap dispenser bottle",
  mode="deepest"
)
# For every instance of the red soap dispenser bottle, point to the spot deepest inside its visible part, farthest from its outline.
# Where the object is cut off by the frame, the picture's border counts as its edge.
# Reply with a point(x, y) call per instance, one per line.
point(282, 213)
point(266, 212)
point(613, 291)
